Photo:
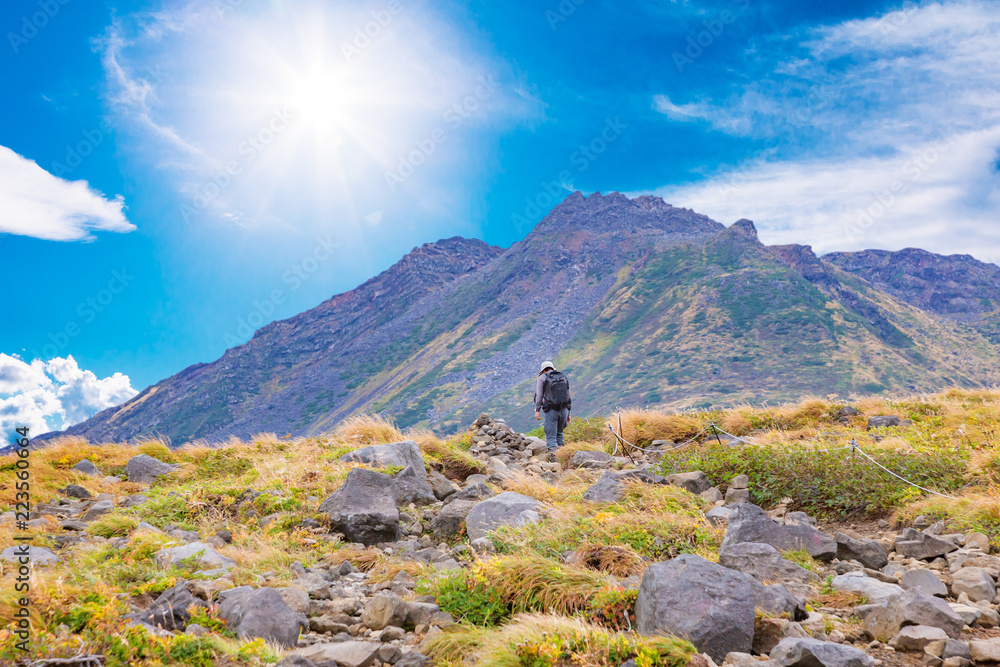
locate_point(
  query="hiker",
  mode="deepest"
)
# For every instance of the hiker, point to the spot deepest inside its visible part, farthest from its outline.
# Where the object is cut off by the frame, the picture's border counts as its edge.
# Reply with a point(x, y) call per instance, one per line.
point(552, 397)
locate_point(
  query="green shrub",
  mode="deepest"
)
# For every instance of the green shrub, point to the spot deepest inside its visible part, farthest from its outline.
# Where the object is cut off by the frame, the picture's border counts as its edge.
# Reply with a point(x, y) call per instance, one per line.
point(826, 484)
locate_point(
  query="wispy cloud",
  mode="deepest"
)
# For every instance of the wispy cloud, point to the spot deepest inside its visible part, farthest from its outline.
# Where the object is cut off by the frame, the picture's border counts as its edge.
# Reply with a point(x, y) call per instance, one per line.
point(885, 133)
point(35, 203)
point(54, 395)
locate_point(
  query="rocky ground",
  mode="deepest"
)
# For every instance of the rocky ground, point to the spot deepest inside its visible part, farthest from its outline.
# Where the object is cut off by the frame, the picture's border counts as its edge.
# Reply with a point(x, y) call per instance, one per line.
point(402, 561)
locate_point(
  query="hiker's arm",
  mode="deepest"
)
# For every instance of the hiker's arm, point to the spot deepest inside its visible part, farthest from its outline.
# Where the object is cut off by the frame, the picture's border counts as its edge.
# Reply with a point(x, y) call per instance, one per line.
point(539, 390)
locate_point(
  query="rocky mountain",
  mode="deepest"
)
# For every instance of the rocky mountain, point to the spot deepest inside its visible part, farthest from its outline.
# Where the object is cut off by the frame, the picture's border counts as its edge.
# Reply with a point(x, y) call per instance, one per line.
point(643, 303)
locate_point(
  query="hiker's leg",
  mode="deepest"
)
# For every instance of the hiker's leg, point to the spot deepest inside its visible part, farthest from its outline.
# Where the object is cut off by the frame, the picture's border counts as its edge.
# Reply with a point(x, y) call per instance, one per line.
point(552, 431)
point(563, 415)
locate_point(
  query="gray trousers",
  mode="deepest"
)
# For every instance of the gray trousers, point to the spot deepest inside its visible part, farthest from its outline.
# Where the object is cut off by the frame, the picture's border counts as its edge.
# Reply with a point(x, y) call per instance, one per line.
point(555, 422)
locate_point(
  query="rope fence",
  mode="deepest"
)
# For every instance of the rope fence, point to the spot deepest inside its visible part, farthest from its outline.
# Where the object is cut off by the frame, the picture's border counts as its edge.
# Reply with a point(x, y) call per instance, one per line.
point(854, 447)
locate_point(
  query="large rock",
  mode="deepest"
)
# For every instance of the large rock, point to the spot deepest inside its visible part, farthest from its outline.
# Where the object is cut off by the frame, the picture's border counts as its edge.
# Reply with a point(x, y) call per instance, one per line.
point(798, 652)
point(441, 485)
point(171, 610)
point(260, 613)
point(144, 469)
point(917, 637)
point(342, 654)
point(393, 454)
point(408, 487)
point(87, 467)
point(749, 523)
point(974, 582)
point(199, 554)
point(916, 544)
point(886, 421)
point(97, 510)
point(33, 555)
point(383, 610)
point(776, 600)
point(857, 582)
point(867, 552)
point(764, 563)
point(589, 458)
point(694, 482)
point(986, 650)
point(924, 580)
point(450, 521)
point(363, 508)
point(708, 604)
point(914, 607)
point(502, 510)
point(610, 488)
point(768, 633)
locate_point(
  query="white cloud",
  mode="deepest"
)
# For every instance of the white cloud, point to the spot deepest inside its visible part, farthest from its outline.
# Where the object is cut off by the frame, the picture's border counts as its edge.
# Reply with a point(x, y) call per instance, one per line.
point(900, 119)
point(54, 395)
point(681, 112)
point(35, 203)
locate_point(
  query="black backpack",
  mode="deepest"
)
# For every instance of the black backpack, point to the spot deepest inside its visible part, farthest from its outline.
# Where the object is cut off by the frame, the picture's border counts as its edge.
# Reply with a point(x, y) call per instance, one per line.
point(557, 389)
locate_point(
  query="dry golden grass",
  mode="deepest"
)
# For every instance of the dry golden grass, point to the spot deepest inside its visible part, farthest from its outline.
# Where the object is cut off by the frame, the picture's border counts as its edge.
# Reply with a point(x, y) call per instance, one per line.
point(641, 427)
point(369, 429)
point(616, 560)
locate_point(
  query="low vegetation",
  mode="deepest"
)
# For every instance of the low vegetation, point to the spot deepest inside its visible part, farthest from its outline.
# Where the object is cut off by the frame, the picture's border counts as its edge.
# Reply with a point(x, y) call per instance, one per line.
point(554, 595)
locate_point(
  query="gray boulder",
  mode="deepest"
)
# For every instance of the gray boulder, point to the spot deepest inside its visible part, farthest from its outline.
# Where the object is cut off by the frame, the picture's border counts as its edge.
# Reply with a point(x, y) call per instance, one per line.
point(478, 491)
point(718, 516)
point(450, 521)
point(363, 508)
point(502, 510)
point(171, 610)
point(76, 491)
point(441, 485)
point(764, 563)
point(198, 554)
point(414, 659)
point(34, 555)
point(694, 482)
point(341, 654)
point(144, 469)
point(384, 610)
point(924, 580)
point(749, 523)
point(886, 421)
point(974, 582)
point(798, 652)
point(777, 601)
point(586, 458)
point(690, 597)
point(914, 607)
point(393, 454)
point(916, 544)
point(857, 582)
point(97, 510)
point(408, 487)
point(87, 467)
point(867, 552)
point(917, 637)
point(260, 613)
point(610, 488)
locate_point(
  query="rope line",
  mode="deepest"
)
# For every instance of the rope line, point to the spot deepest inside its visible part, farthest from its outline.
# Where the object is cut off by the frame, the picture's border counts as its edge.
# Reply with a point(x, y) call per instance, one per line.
point(865, 454)
point(854, 447)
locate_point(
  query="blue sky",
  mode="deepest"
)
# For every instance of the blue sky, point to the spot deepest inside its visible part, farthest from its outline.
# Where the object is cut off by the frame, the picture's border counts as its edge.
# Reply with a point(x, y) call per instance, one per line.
point(175, 174)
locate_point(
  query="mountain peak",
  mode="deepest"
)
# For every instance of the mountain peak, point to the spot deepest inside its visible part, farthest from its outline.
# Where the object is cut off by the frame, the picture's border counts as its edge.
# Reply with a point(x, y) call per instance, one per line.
point(616, 211)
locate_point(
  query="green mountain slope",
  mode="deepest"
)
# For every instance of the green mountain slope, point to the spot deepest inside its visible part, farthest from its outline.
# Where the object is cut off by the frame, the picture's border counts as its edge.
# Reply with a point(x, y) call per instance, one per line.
point(642, 302)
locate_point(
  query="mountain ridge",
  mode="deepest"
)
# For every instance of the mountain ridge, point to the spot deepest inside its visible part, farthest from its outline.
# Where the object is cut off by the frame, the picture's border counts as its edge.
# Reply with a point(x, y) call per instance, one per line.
point(635, 297)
